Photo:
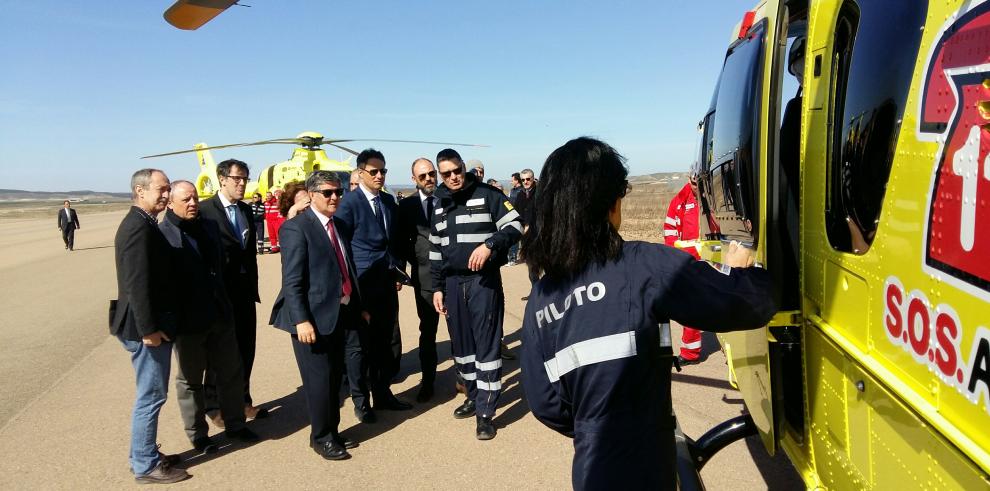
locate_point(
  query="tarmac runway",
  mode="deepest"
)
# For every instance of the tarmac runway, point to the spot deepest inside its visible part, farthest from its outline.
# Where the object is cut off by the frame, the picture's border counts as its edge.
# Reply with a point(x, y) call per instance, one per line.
point(66, 392)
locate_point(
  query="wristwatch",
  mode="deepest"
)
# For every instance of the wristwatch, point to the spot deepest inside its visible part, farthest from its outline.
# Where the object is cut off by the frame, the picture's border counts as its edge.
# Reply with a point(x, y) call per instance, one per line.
point(490, 244)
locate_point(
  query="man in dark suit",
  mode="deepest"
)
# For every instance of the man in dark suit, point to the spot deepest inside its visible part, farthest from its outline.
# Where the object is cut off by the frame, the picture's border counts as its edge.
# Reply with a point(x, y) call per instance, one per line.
point(413, 244)
point(142, 318)
point(368, 220)
point(319, 299)
point(68, 222)
point(240, 270)
point(205, 321)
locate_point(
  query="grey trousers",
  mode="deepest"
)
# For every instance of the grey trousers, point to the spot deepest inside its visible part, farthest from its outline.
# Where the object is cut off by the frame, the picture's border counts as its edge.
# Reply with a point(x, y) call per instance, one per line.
point(215, 348)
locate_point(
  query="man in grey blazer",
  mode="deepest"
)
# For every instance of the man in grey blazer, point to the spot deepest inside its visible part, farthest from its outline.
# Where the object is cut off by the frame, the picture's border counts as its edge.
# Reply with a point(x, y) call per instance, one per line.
point(319, 299)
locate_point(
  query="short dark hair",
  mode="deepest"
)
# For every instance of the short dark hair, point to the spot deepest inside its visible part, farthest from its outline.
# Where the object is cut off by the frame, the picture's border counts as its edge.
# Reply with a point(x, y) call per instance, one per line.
point(449, 154)
point(366, 155)
point(517, 176)
point(320, 177)
point(65, 202)
point(223, 168)
point(570, 230)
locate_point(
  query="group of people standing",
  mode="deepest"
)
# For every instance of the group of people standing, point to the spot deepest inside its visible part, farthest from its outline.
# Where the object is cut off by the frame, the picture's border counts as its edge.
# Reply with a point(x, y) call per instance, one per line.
point(189, 282)
point(595, 357)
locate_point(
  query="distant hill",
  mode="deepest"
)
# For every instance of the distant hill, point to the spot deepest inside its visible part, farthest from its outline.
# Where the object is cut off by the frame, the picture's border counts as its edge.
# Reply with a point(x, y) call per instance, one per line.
point(673, 181)
point(84, 195)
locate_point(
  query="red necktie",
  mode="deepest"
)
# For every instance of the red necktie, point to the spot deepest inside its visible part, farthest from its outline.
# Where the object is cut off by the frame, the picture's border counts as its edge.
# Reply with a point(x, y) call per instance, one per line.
point(345, 276)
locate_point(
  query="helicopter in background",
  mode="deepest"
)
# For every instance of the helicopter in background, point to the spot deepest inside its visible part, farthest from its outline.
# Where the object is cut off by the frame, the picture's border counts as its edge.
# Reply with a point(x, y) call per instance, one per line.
point(306, 157)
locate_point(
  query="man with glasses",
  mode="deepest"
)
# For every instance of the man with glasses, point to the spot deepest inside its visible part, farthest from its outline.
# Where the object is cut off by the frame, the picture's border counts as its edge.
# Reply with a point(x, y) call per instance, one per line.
point(524, 205)
point(318, 302)
point(415, 213)
point(240, 272)
point(472, 228)
point(367, 219)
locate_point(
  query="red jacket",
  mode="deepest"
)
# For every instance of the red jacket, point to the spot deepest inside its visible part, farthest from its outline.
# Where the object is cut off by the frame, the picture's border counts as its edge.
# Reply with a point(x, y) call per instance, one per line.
point(271, 209)
point(682, 218)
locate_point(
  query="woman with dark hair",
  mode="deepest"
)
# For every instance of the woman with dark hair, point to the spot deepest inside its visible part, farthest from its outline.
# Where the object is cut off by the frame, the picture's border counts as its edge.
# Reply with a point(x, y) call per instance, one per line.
point(293, 200)
point(595, 365)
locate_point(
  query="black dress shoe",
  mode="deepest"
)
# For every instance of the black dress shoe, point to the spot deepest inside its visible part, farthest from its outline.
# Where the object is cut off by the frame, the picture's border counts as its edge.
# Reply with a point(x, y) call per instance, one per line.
point(392, 404)
point(243, 435)
point(365, 415)
point(162, 474)
point(206, 445)
point(425, 392)
point(331, 450)
point(486, 429)
point(465, 410)
point(685, 362)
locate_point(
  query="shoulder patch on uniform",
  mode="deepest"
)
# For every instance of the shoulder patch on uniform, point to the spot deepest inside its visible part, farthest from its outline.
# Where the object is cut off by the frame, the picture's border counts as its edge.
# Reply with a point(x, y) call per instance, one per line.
point(508, 206)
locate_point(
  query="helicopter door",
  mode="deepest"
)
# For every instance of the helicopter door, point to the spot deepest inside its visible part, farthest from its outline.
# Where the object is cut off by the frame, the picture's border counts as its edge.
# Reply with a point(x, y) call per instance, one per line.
point(736, 143)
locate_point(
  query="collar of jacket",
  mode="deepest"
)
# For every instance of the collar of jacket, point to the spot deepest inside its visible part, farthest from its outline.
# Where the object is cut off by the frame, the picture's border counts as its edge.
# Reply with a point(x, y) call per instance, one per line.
point(443, 192)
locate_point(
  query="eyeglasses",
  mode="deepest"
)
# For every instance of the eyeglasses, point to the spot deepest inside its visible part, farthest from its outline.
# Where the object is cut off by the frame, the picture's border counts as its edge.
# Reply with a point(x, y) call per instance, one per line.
point(238, 178)
point(455, 171)
point(327, 193)
point(374, 172)
point(432, 174)
point(527, 179)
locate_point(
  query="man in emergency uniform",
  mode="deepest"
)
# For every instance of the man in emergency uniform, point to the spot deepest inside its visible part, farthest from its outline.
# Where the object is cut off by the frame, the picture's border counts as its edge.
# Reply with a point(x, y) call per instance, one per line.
point(471, 231)
point(272, 219)
point(680, 230)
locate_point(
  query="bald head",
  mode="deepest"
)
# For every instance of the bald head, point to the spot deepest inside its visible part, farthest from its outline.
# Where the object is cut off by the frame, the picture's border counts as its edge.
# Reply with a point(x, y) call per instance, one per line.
point(184, 200)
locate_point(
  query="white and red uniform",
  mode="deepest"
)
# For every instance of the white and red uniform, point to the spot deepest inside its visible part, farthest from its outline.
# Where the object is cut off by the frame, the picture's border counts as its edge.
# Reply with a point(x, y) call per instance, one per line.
point(681, 224)
point(273, 219)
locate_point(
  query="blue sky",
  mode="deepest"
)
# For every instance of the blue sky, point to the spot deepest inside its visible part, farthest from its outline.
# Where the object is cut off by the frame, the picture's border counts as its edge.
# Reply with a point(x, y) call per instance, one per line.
point(89, 86)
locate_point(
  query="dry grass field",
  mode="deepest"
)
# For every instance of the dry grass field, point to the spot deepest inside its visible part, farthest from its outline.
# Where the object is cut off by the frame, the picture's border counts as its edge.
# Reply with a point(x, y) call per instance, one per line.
point(643, 211)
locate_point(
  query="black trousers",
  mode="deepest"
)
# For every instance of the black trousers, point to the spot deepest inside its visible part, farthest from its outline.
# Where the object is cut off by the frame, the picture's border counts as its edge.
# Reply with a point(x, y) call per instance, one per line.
point(475, 309)
point(68, 236)
point(215, 347)
point(356, 361)
point(380, 338)
point(321, 367)
point(246, 332)
point(429, 319)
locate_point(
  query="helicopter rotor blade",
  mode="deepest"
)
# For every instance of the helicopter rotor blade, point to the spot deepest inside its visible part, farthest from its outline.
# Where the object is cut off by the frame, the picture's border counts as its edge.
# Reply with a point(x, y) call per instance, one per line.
point(291, 141)
point(405, 141)
point(342, 148)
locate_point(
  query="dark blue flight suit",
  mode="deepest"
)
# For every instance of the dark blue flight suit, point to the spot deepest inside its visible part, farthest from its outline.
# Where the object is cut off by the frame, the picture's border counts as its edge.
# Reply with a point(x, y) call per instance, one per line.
point(474, 215)
point(593, 367)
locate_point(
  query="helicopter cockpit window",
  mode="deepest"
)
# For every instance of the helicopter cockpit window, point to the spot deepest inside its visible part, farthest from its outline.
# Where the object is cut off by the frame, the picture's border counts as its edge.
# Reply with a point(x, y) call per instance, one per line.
point(870, 86)
point(729, 170)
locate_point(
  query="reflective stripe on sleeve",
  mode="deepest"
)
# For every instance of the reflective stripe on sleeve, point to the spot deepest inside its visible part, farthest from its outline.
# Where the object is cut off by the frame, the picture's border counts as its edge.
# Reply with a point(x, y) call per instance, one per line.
point(669, 233)
point(469, 376)
point(473, 238)
point(434, 239)
point(441, 226)
point(515, 225)
point(476, 218)
point(490, 387)
point(488, 365)
point(508, 217)
point(669, 221)
point(475, 202)
point(590, 352)
point(435, 256)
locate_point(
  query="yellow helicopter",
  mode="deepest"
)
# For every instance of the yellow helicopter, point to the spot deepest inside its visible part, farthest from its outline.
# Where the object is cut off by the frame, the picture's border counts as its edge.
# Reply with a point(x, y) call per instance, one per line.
point(306, 157)
point(862, 179)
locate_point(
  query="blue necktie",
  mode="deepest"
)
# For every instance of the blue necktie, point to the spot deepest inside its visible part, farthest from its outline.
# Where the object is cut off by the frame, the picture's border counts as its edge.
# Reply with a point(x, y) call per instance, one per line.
point(232, 215)
point(378, 212)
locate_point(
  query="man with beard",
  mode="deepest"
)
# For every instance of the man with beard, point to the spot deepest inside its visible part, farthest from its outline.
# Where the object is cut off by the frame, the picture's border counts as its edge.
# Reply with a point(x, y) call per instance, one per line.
point(240, 269)
point(413, 243)
point(471, 231)
point(206, 335)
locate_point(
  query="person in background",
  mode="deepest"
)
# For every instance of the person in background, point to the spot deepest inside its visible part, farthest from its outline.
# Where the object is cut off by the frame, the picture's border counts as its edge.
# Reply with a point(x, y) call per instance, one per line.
point(681, 230)
point(240, 271)
point(595, 365)
point(495, 184)
point(142, 318)
point(513, 192)
point(258, 213)
point(524, 204)
point(272, 219)
point(415, 213)
point(477, 168)
point(355, 179)
point(294, 199)
point(68, 222)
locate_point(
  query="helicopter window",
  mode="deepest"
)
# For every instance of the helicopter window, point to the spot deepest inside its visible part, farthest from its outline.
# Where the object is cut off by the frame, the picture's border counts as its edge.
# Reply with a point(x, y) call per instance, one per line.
point(870, 86)
point(729, 169)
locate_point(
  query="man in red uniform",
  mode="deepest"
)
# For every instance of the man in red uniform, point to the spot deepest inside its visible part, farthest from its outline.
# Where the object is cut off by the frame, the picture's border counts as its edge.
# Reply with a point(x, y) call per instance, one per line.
point(680, 229)
point(273, 220)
